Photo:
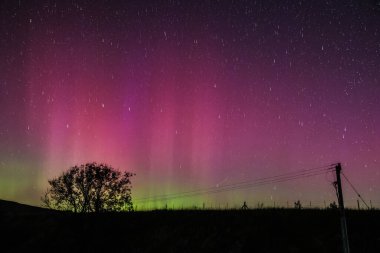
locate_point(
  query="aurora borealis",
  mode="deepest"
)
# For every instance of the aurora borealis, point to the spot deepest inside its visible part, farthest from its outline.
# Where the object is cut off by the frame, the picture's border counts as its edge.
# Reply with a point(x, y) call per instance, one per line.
point(191, 94)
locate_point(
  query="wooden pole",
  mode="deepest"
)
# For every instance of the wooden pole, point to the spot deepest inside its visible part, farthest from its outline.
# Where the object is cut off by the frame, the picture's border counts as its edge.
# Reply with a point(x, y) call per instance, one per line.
point(343, 224)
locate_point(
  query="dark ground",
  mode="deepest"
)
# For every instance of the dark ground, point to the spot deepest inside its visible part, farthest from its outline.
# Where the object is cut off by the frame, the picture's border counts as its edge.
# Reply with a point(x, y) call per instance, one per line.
point(31, 229)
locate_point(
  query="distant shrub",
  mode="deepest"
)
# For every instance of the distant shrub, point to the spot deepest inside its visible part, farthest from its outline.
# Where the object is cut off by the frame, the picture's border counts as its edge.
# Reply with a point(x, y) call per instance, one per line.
point(333, 205)
point(297, 204)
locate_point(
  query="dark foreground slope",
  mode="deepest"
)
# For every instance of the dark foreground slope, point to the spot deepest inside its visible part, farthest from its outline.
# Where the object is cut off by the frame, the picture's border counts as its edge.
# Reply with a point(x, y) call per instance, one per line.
point(268, 230)
point(10, 208)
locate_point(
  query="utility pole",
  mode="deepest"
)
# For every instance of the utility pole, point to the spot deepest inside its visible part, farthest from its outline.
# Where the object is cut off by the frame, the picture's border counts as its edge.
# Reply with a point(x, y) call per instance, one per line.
point(343, 224)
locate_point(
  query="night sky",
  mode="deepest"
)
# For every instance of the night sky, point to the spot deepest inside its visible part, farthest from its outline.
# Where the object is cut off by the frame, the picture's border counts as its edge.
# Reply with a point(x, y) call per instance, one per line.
point(191, 94)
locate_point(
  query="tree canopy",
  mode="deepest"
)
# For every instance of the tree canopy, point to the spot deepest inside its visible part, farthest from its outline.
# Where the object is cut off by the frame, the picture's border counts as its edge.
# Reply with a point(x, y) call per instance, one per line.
point(90, 187)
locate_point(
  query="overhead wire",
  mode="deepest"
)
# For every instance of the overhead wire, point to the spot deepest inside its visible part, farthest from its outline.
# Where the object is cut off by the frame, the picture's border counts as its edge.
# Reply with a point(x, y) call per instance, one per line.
point(229, 186)
point(242, 185)
point(238, 183)
point(356, 191)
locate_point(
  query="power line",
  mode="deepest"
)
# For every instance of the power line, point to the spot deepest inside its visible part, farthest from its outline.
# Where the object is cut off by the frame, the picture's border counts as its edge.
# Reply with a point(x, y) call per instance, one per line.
point(229, 187)
point(239, 183)
point(353, 187)
point(242, 185)
point(251, 185)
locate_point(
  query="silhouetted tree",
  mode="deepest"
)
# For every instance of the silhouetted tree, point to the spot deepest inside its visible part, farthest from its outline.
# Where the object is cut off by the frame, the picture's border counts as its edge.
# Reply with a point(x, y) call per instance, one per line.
point(244, 207)
point(90, 187)
point(297, 204)
point(333, 205)
point(260, 205)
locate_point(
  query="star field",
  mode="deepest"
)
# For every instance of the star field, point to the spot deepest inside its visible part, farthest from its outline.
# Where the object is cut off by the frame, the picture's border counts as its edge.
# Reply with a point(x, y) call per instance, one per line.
point(191, 94)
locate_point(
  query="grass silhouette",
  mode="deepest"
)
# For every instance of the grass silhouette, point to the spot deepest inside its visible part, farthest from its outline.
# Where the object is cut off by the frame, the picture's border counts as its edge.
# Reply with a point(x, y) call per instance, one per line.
point(260, 230)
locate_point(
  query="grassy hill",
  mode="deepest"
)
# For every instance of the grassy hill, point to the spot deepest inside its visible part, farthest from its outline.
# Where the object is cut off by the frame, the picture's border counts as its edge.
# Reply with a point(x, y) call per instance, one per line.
point(14, 208)
point(265, 230)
